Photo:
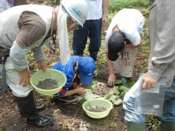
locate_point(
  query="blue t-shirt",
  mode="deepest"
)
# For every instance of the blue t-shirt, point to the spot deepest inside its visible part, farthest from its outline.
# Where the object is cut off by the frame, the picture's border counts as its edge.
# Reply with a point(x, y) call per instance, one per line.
point(68, 70)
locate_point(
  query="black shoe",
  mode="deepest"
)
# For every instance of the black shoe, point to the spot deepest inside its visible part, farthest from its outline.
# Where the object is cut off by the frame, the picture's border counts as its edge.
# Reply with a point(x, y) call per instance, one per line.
point(28, 109)
point(39, 121)
point(71, 98)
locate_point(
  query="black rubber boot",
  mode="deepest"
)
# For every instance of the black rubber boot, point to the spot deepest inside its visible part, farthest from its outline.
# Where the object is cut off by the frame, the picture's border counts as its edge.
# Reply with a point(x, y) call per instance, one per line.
point(28, 109)
point(136, 127)
point(167, 126)
point(39, 108)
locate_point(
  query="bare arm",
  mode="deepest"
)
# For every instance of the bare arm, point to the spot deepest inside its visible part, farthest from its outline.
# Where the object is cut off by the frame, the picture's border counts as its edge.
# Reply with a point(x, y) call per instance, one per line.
point(105, 7)
point(112, 77)
point(80, 91)
point(110, 65)
point(105, 11)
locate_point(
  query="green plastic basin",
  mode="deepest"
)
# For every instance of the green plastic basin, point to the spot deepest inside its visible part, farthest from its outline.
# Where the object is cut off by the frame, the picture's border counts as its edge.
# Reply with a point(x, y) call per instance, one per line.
point(48, 74)
point(92, 103)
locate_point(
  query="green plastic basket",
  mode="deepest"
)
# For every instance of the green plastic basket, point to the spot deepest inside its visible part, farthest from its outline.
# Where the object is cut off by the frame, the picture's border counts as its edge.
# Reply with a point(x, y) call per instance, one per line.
point(97, 102)
point(48, 74)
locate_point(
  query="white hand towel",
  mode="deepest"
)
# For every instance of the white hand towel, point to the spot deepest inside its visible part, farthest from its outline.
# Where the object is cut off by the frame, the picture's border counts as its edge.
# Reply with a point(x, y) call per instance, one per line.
point(63, 36)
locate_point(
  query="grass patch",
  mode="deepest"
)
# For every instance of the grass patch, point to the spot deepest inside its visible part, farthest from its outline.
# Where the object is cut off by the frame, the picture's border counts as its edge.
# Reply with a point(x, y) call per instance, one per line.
point(116, 5)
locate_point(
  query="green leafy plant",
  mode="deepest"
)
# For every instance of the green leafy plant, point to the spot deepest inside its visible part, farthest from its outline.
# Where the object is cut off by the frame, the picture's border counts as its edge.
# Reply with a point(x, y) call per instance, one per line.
point(2, 127)
point(116, 5)
point(119, 82)
point(152, 122)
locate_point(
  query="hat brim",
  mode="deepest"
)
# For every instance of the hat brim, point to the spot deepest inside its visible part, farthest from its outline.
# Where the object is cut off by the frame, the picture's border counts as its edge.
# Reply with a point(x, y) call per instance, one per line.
point(86, 79)
point(112, 57)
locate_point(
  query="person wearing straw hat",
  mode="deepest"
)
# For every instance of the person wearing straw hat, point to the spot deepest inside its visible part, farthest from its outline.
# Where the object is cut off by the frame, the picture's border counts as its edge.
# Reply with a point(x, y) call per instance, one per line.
point(28, 28)
point(79, 69)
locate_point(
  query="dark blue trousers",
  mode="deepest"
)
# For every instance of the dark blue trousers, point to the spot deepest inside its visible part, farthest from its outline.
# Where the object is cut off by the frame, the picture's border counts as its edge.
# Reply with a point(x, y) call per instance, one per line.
point(92, 30)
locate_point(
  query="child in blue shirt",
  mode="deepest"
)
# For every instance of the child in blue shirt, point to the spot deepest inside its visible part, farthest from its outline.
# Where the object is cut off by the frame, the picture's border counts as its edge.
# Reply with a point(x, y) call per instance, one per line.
point(78, 69)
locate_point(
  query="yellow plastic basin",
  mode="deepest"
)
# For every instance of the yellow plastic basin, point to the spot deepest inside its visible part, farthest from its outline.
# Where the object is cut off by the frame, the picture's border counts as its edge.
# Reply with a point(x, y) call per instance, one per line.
point(92, 103)
point(48, 74)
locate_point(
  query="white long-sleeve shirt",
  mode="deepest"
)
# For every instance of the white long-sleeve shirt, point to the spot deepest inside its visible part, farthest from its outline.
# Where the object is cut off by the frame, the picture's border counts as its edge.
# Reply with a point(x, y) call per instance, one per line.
point(130, 22)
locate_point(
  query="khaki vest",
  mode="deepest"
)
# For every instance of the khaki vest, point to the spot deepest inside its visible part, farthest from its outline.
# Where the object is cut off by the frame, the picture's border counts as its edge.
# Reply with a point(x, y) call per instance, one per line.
point(9, 23)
